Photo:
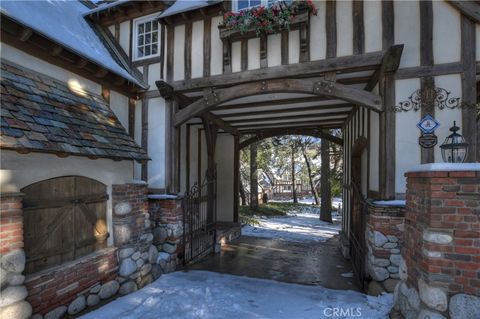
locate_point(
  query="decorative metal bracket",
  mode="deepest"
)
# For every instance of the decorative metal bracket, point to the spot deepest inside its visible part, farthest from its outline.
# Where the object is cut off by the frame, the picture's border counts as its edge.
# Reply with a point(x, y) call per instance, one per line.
point(324, 86)
point(210, 96)
point(430, 98)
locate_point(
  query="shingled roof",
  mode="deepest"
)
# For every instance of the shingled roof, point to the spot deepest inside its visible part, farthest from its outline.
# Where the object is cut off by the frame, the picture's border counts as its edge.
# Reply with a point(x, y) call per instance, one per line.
point(41, 114)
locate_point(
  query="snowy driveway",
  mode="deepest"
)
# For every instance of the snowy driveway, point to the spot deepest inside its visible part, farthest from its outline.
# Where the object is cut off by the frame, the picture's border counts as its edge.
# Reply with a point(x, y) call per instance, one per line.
point(301, 225)
point(203, 294)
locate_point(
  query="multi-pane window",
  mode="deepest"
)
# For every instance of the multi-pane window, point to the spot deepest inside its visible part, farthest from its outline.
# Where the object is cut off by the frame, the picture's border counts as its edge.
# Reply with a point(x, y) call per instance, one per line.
point(239, 5)
point(146, 38)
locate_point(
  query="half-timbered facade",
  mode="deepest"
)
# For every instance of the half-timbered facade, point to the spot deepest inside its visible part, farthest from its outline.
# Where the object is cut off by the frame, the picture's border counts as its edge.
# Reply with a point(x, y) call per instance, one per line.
point(195, 91)
point(353, 66)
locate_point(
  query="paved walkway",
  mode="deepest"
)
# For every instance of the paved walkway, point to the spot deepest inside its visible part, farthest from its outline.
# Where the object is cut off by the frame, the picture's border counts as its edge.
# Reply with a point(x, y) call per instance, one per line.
point(309, 263)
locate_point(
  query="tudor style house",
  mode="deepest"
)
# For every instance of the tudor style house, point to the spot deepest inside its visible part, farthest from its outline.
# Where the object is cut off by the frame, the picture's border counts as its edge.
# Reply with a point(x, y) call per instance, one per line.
point(97, 96)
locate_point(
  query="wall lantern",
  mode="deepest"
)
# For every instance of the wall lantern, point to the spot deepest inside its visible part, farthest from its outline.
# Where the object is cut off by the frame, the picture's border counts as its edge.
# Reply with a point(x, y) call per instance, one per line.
point(454, 148)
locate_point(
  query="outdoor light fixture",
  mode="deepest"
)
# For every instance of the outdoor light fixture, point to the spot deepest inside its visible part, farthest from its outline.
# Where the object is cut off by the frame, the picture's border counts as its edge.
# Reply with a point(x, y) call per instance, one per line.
point(454, 148)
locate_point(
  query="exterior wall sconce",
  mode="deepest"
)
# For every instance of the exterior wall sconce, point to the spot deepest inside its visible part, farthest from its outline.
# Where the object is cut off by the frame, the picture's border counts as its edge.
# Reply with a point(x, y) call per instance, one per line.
point(454, 148)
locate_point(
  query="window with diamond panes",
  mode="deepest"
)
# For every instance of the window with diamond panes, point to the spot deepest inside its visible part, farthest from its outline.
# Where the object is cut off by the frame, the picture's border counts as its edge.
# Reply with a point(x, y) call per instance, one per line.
point(146, 39)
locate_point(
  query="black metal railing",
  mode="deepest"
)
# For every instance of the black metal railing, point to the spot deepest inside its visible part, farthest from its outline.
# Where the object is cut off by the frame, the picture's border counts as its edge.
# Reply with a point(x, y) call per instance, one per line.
point(199, 221)
point(357, 235)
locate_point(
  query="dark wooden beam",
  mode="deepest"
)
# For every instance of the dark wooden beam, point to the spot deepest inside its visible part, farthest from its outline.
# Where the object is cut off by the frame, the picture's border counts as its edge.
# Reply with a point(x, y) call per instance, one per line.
point(427, 155)
point(221, 124)
point(263, 51)
point(56, 50)
point(390, 63)
point(263, 134)
point(311, 99)
point(284, 47)
point(314, 125)
point(367, 61)
point(311, 86)
point(131, 117)
point(236, 179)
point(331, 28)
point(280, 117)
point(244, 55)
point(422, 71)
point(144, 143)
point(188, 52)
point(470, 129)
point(207, 43)
point(283, 111)
point(316, 122)
point(358, 27)
point(25, 34)
point(170, 53)
point(470, 9)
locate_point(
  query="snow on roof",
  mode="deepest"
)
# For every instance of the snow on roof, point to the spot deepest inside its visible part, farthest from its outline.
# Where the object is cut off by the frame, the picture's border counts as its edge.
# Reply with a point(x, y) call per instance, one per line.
point(184, 6)
point(105, 6)
point(445, 167)
point(63, 22)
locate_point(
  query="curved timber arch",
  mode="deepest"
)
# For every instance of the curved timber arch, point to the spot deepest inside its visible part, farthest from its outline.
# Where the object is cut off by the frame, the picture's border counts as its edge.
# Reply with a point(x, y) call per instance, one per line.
point(306, 132)
point(315, 86)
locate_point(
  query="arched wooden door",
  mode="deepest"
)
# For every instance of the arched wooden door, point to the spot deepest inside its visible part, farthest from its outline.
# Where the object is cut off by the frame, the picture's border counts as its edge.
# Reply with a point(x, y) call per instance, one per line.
point(64, 218)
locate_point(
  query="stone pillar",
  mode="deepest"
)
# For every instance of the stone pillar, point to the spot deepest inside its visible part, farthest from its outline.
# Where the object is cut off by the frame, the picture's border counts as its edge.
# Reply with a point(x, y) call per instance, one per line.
point(12, 259)
point(384, 241)
point(441, 269)
point(167, 221)
point(133, 236)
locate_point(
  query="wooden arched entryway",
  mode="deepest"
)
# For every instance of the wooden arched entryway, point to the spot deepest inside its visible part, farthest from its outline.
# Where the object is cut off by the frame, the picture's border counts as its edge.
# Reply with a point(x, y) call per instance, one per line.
point(64, 218)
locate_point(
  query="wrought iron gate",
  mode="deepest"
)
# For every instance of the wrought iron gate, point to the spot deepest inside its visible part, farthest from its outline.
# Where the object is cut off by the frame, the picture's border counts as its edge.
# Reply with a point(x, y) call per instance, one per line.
point(199, 221)
point(357, 235)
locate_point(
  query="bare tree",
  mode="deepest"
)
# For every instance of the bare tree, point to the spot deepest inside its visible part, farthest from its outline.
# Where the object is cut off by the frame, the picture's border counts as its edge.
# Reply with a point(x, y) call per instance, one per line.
point(305, 144)
point(253, 177)
point(326, 193)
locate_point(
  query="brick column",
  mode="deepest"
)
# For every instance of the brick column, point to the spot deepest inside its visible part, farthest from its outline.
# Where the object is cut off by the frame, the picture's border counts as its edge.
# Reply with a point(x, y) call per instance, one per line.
point(384, 241)
point(12, 258)
point(133, 236)
point(167, 220)
point(441, 268)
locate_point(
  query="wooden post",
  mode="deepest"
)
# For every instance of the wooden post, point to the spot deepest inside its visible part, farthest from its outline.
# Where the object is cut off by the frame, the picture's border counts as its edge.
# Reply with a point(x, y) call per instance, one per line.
point(236, 178)
point(211, 141)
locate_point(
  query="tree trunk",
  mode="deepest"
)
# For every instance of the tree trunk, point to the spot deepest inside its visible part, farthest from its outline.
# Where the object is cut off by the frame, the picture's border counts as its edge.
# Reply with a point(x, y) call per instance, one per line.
point(294, 190)
point(326, 194)
point(310, 177)
point(243, 197)
point(253, 177)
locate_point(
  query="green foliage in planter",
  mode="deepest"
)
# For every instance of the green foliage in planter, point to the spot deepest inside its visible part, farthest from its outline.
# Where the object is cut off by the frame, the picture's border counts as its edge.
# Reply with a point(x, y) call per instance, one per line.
point(278, 16)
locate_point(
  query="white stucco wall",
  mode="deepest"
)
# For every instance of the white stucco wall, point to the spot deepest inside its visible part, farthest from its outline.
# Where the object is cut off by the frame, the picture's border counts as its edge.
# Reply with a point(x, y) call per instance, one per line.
point(20, 170)
point(179, 53)
point(119, 105)
point(453, 83)
point(236, 56)
point(23, 59)
point(124, 39)
point(446, 33)
point(197, 49)
point(137, 167)
point(318, 35)
point(156, 143)
point(254, 53)
point(216, 51)
point(407, 31)
point(153, 75)
point(372, 15)
point(274, 51)
point(224, 156)
point(344, 28)
point(374, 150)
point(294, 46)
point(407, 150)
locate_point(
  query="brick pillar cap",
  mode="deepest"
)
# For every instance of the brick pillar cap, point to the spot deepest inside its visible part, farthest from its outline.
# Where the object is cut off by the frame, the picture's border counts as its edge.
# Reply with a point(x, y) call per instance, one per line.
point(445, 167)
point(162, 196)
point(11, 194)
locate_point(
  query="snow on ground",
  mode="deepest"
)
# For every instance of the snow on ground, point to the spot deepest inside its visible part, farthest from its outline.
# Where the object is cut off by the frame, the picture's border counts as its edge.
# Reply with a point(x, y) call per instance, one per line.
point(203, 294)
point(300, 225)
point(336, 201)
